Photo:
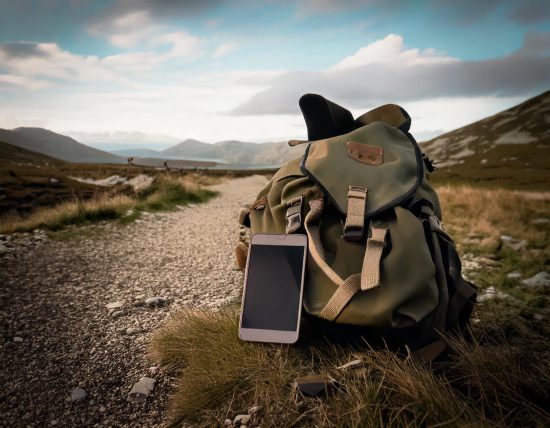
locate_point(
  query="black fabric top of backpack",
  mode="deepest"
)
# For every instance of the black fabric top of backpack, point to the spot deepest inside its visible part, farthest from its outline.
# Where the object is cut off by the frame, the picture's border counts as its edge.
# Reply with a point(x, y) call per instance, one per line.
point(325, 119)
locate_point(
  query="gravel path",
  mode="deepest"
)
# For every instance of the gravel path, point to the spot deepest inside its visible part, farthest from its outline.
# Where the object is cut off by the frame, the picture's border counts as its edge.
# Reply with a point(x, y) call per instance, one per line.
point(58, 334)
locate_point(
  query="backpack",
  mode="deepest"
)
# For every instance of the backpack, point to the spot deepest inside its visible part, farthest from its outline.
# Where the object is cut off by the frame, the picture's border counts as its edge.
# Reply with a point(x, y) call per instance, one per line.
point(380, 266)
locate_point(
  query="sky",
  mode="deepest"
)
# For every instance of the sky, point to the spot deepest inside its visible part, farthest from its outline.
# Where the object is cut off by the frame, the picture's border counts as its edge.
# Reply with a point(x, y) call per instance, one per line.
point(150, 73)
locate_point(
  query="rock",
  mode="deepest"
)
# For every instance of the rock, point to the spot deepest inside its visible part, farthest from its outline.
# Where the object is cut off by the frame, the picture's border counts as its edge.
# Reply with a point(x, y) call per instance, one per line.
point(18, 339)
point(116, 314)
point(484, 261)
point(241, 419)
point(253, 410)
point(540, 221)
point(78, 394)
point(155, 301)
point(228, 423)
point(491, 293)
point(131, 330)
point(141, 390)
point(514, 275)
point(351, 364)
point(538, 317)
point(541, 279)
point(115, 305)
point(514, 244)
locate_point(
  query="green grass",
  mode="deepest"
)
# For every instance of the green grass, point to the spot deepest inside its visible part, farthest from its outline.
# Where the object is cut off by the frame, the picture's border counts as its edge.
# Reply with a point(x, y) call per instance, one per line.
point(163, 195)
point(500, 378)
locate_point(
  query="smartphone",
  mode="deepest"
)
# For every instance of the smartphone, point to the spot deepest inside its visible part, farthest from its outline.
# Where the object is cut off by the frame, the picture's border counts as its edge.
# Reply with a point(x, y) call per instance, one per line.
point(273, 288)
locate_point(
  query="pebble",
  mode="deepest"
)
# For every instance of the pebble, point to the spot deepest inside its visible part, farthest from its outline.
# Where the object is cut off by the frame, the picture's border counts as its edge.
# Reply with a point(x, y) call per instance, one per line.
point(253, 410)
point(491, 293)
point(115, 305)
point(116, 314)
point(538, 317)
point(540, 221)
point(514, 275)
point(155, 301)
point(241, 419)
point(18, 339)
point(78, 394)
point(141, 390)
point(131, 330)
point(484, 261)
point(514, 244)
point(541, 279)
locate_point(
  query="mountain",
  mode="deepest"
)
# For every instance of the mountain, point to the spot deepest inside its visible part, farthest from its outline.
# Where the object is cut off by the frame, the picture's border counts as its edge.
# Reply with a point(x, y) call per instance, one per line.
point(235, 152)
point(511, 148)
point(59, 146)
point(137, 153)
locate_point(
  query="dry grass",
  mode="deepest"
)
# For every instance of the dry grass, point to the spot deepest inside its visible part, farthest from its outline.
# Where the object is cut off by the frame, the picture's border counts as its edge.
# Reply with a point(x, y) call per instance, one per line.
point(495, 212)
point(224, 376)
point(164, 194)
point(501, 378)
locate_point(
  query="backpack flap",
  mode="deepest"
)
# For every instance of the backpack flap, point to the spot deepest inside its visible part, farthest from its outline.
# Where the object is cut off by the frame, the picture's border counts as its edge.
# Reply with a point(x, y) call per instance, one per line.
point(365, 171)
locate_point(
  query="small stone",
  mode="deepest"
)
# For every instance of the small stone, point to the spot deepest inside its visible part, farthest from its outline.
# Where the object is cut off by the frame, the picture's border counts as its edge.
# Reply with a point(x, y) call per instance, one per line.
point(78, 394)
point(228, 422)
point(351, 364)
point(514, 244)
point(131, 330)
point(141, 390)
point(18, 339)
point(155, 301)
point(491, 293)
point(541, 279)
point(484, 261)
point(241, 419)
point(115, 305)
point(253, 410)
point(540, 221)
point(538, 317)
point(116, 314)
point(514, 275)
point(53, 422)
point(102, 409)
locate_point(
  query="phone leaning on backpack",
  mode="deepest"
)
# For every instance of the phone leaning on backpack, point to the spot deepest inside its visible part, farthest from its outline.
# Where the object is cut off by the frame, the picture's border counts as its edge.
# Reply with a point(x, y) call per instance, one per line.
point(380, 266)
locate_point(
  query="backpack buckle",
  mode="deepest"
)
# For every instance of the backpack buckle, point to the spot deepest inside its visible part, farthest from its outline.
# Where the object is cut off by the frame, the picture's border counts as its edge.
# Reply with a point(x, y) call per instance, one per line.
point(354, 229)
point(294, 214)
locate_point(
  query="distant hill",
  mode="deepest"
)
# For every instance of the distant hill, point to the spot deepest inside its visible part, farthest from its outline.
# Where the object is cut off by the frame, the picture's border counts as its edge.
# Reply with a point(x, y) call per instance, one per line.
point(137, 153)
point(511, 148)
point(59, 146)
point(235, 152)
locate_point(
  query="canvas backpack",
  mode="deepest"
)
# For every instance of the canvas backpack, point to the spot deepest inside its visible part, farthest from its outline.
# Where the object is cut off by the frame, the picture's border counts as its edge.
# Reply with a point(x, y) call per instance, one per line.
point(380, 265)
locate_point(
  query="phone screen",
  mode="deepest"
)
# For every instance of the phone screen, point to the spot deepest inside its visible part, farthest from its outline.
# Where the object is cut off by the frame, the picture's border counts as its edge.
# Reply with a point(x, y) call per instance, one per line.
point(273, 286)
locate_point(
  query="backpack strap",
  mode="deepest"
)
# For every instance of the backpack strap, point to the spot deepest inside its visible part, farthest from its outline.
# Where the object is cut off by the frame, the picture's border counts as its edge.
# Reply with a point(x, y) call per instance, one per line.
point(346, 289)
point(370, 272)
point(294, 214)
point(355, 219)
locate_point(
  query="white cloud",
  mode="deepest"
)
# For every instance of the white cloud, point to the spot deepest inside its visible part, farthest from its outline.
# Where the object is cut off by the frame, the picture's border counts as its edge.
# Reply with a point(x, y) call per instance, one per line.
point(390, 50)
point(23, 82)
point(224, 49)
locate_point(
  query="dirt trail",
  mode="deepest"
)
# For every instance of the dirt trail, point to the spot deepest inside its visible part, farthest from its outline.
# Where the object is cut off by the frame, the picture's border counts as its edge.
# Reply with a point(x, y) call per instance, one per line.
point(58, 333)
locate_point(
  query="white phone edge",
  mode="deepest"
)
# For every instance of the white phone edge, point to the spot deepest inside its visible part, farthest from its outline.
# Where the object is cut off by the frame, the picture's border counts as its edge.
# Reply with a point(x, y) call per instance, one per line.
point(274, 336)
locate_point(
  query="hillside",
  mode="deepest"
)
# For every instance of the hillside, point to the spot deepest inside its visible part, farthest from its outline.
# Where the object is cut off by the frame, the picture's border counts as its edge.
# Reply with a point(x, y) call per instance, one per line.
point(56, 145)
point(235, 152)
point(509, 149)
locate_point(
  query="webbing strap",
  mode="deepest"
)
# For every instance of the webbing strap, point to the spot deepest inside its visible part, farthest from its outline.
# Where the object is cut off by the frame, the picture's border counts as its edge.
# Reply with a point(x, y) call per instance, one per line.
point(355, 220)
point(341, 297)
point(315, 245)
point(370, 273)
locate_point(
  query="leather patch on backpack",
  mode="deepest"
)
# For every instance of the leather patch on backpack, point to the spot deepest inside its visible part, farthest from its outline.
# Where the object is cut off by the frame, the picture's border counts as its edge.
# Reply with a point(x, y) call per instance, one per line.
point(366, 154)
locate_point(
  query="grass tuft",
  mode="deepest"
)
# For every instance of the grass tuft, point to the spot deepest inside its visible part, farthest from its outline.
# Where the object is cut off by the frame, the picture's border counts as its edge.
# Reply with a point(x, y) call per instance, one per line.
point(164, 194)
point(484, 383)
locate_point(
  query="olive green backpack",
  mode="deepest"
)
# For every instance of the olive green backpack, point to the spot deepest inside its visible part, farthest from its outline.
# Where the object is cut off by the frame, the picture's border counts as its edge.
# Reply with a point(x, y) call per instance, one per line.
point(380, 266)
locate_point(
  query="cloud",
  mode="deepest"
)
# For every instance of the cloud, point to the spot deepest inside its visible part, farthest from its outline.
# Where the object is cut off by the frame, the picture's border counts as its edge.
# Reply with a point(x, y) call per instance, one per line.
point(403, 75)
point(536, 43)
point(224, 49)
point(469, 11)
point(7, 80)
